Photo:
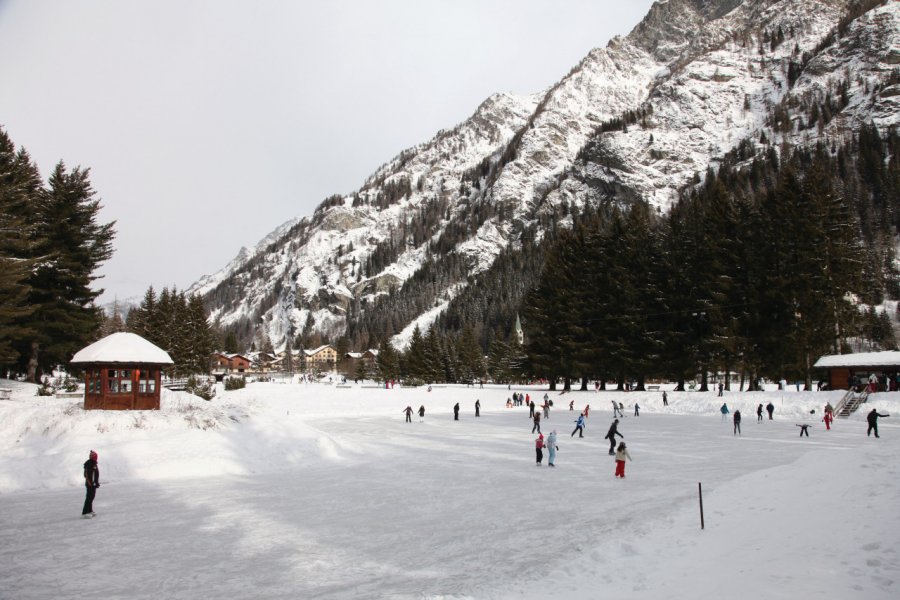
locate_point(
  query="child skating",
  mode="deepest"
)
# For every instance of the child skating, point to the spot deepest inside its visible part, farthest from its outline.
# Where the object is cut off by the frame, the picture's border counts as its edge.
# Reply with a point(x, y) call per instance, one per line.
point(621, 455)
point(539, 449)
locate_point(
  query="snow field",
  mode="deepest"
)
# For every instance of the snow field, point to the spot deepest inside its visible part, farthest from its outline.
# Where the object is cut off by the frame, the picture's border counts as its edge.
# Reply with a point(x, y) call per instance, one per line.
point(302, 491)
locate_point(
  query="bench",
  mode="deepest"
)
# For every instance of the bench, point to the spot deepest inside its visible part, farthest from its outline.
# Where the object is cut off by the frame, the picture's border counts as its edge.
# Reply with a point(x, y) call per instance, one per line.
point(343, 385)
point(5, 393)
point(68, 394)
point(652, 387)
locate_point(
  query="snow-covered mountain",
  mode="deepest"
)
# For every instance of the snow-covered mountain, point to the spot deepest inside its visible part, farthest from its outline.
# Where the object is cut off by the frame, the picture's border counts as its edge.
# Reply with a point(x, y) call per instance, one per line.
point(638, 119)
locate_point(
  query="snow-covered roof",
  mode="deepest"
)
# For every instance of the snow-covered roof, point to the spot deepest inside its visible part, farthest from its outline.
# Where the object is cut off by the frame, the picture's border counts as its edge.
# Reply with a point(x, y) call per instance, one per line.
point(317, 350)
point(122, 347)
point(889, 358)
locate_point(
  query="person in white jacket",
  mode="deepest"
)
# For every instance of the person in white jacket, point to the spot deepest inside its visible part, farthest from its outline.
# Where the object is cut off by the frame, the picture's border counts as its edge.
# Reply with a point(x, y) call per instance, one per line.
point(621, 455)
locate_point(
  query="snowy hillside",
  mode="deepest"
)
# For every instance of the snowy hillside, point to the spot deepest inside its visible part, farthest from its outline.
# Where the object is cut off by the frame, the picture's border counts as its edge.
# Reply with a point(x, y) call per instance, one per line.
point(285, 490)
point(638, 119)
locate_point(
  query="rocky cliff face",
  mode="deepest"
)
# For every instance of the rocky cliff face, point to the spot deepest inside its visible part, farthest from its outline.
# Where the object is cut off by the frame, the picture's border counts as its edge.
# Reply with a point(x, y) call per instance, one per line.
point(637, 120)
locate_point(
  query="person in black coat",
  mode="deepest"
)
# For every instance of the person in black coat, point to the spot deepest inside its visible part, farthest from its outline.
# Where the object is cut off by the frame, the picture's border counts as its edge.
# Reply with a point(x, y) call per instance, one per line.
point(611, 436)
point(872, 418)
point(737, 422)
point(770, 408)
point(478, 408)
point(456, 412)
point(91, 483)
point(759, 413)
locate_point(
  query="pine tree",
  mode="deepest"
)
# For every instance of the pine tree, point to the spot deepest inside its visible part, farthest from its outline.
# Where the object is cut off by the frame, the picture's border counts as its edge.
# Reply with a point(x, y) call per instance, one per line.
point(388, 361)
point(19, 182)
point(415, 356)
point(69, 245)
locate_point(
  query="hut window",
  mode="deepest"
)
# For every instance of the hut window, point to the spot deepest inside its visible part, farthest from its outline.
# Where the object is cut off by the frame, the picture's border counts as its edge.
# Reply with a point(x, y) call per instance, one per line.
point(147, 382)
point(94, 386)
point(119, 381)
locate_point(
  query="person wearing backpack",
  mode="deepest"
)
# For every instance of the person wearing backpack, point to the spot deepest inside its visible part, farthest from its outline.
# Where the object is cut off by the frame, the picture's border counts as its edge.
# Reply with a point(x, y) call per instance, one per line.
point(91, 483)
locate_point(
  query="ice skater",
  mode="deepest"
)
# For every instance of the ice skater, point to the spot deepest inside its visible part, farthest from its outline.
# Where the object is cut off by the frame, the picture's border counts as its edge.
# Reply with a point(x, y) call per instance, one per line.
point(539, 448)
point(872, 418)
point(537, 423)
point(737, 422)
point(478, 408)
point(637, 410)
point(422, 414)
point(579, 427)
point(615, 409)
point(621, 455)
point(724, 410)
point(665, 399)
point(456, 412)
point(551, 448)
point(759, 413)
point(770, 408)
point(804, 429)
point(409, 411)
point(828, 418)
point(91, 483)
point(611, 436)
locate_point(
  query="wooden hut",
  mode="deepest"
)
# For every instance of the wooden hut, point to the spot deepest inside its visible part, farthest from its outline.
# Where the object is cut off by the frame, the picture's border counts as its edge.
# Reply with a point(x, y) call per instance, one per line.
point(842, 368)
point(123, 371)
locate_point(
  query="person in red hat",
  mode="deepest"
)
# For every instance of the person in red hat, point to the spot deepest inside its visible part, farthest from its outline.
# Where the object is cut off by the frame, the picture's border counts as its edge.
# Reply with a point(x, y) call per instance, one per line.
point(91, 483)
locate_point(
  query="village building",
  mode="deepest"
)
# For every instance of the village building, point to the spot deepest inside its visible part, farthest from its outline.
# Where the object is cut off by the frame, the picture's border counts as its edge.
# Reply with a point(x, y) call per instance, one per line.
point(122, 371)
point(844, 370)
point(262, 362)
point(352, 361)
point(229, 364)
point(322, 358)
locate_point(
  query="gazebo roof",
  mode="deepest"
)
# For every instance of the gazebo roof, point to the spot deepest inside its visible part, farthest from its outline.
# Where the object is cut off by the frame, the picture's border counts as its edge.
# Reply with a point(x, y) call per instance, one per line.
point(889, 358)
point(122, 347)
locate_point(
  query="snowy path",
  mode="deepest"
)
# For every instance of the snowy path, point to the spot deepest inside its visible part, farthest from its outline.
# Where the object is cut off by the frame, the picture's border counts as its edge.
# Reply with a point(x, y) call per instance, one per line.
point(448, 509)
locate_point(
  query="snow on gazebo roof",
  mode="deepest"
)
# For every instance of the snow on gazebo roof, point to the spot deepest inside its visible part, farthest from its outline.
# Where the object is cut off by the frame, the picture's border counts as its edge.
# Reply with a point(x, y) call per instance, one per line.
point(122, 347)
point(890, 358)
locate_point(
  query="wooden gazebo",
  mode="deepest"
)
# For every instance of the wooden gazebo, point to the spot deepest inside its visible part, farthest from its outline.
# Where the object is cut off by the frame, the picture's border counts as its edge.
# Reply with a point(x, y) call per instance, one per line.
point(123, 371)
point(842, 368)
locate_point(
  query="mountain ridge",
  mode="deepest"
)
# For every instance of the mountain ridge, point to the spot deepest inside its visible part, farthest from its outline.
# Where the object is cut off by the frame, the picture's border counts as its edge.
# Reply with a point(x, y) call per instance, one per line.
point(697, 78)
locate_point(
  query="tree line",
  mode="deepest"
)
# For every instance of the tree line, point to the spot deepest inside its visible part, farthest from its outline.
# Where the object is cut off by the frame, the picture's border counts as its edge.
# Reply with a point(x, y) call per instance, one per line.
point(758, 270)
point(178, 324)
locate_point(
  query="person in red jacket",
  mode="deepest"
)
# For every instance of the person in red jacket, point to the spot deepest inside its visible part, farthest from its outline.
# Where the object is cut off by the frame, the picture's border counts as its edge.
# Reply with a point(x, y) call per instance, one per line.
point(539, 448)
point(828, 419)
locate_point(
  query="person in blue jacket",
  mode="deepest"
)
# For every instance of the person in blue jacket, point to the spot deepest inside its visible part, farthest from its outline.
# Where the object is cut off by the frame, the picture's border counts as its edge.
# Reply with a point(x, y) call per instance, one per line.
point(724, 410)
point(552, 448)
point(579, 426)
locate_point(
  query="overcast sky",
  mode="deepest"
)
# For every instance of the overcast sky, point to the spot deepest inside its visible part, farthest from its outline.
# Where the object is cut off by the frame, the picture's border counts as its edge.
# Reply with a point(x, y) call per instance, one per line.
point(206, 125)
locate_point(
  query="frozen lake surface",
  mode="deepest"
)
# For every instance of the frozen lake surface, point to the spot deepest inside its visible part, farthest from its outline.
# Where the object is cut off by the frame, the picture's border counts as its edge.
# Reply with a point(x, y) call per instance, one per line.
point(313, 491)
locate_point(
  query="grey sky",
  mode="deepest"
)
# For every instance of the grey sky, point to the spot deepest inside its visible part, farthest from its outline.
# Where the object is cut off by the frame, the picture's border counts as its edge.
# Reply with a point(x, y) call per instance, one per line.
point(208, 124)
